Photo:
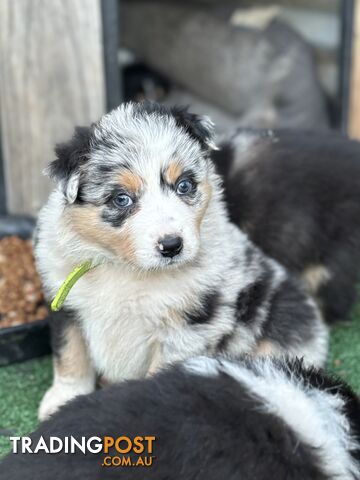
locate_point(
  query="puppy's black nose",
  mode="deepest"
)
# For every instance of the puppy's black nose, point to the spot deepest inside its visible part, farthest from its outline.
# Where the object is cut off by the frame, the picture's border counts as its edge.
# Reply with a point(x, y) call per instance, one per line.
point(170, 245)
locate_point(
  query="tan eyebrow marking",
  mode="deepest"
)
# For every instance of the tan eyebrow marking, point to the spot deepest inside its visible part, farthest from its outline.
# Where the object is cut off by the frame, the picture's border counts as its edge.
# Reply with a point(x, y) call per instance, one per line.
point(130, 181)
point(173, 172)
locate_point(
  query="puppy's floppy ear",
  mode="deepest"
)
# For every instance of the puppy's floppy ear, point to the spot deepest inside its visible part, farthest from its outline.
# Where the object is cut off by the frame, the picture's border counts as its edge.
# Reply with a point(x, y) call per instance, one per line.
point(70, 157)
point(200, 127)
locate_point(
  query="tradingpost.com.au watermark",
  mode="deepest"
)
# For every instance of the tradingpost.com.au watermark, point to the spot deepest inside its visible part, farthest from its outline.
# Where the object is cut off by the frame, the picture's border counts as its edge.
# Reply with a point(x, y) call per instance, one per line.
point(126, 451)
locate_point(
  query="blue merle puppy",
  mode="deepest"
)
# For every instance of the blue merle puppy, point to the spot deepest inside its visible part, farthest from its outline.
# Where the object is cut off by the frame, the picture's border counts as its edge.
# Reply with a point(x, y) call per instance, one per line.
point(137, 193)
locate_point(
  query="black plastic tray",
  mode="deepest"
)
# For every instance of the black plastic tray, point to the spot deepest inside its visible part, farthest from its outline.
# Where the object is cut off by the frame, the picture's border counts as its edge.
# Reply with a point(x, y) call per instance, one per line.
point(30, 340)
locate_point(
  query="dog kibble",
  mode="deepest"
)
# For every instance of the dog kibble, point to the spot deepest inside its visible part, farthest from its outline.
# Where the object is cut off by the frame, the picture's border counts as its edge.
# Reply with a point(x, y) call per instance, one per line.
point(21, 297)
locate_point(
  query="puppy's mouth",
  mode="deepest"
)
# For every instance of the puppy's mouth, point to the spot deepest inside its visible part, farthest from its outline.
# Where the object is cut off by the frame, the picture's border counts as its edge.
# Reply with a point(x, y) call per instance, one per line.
point(168, 262)
point(178, 260)
point(163, 263)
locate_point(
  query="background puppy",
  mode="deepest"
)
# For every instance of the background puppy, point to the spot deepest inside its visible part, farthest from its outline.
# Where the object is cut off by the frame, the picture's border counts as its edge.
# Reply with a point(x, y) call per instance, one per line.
point(138, 194)
point(297, 196)
point(212, 418)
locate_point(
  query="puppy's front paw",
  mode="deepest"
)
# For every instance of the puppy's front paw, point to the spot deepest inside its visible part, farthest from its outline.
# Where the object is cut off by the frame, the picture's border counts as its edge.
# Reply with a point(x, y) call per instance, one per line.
point(60, 393)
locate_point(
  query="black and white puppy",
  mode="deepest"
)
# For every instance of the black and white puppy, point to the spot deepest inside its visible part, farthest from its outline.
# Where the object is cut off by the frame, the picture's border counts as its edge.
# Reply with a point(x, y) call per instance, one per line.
point(138, 194)
point(212, 419)
point(296, 194)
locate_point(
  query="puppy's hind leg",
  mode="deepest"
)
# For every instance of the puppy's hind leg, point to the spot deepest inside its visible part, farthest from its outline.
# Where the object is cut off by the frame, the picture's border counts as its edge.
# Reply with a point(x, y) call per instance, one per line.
point(73, 372)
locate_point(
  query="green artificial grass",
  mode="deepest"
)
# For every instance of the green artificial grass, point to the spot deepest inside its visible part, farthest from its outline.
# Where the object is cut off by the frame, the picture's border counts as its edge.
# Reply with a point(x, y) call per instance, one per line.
point(23, 385)
point(344, 357)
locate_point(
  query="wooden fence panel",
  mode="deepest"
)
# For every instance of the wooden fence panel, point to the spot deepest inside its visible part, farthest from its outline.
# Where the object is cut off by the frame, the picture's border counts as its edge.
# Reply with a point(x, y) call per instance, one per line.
point(51, 78)
point(354, 102)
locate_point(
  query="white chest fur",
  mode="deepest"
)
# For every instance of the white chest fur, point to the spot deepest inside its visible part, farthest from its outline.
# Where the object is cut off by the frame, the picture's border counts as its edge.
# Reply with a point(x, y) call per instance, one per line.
point(126, 320)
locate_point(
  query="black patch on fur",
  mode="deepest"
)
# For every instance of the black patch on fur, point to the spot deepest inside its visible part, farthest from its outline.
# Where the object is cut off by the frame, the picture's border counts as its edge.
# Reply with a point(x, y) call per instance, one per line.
point(71, 155)
point(224, 342)
point(251, 298)
point(193, 124)
point(108, 167)
point(116, 216)
point(248, 301)
point(204, 314)
point(290, 319)
point(163, 183)
point(208, 428)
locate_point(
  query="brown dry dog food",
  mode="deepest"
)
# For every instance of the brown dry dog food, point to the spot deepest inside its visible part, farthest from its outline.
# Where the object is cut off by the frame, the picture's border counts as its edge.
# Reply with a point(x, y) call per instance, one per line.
point(21, 296)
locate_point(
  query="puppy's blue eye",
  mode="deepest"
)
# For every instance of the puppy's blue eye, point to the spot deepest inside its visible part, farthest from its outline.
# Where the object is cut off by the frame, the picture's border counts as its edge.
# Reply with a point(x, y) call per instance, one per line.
point(184, 187)
point(123, 201)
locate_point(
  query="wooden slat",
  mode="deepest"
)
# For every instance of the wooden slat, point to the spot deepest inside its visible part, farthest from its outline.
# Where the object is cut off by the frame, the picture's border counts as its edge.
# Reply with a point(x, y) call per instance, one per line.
point(354, 107)
point(51, 78)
